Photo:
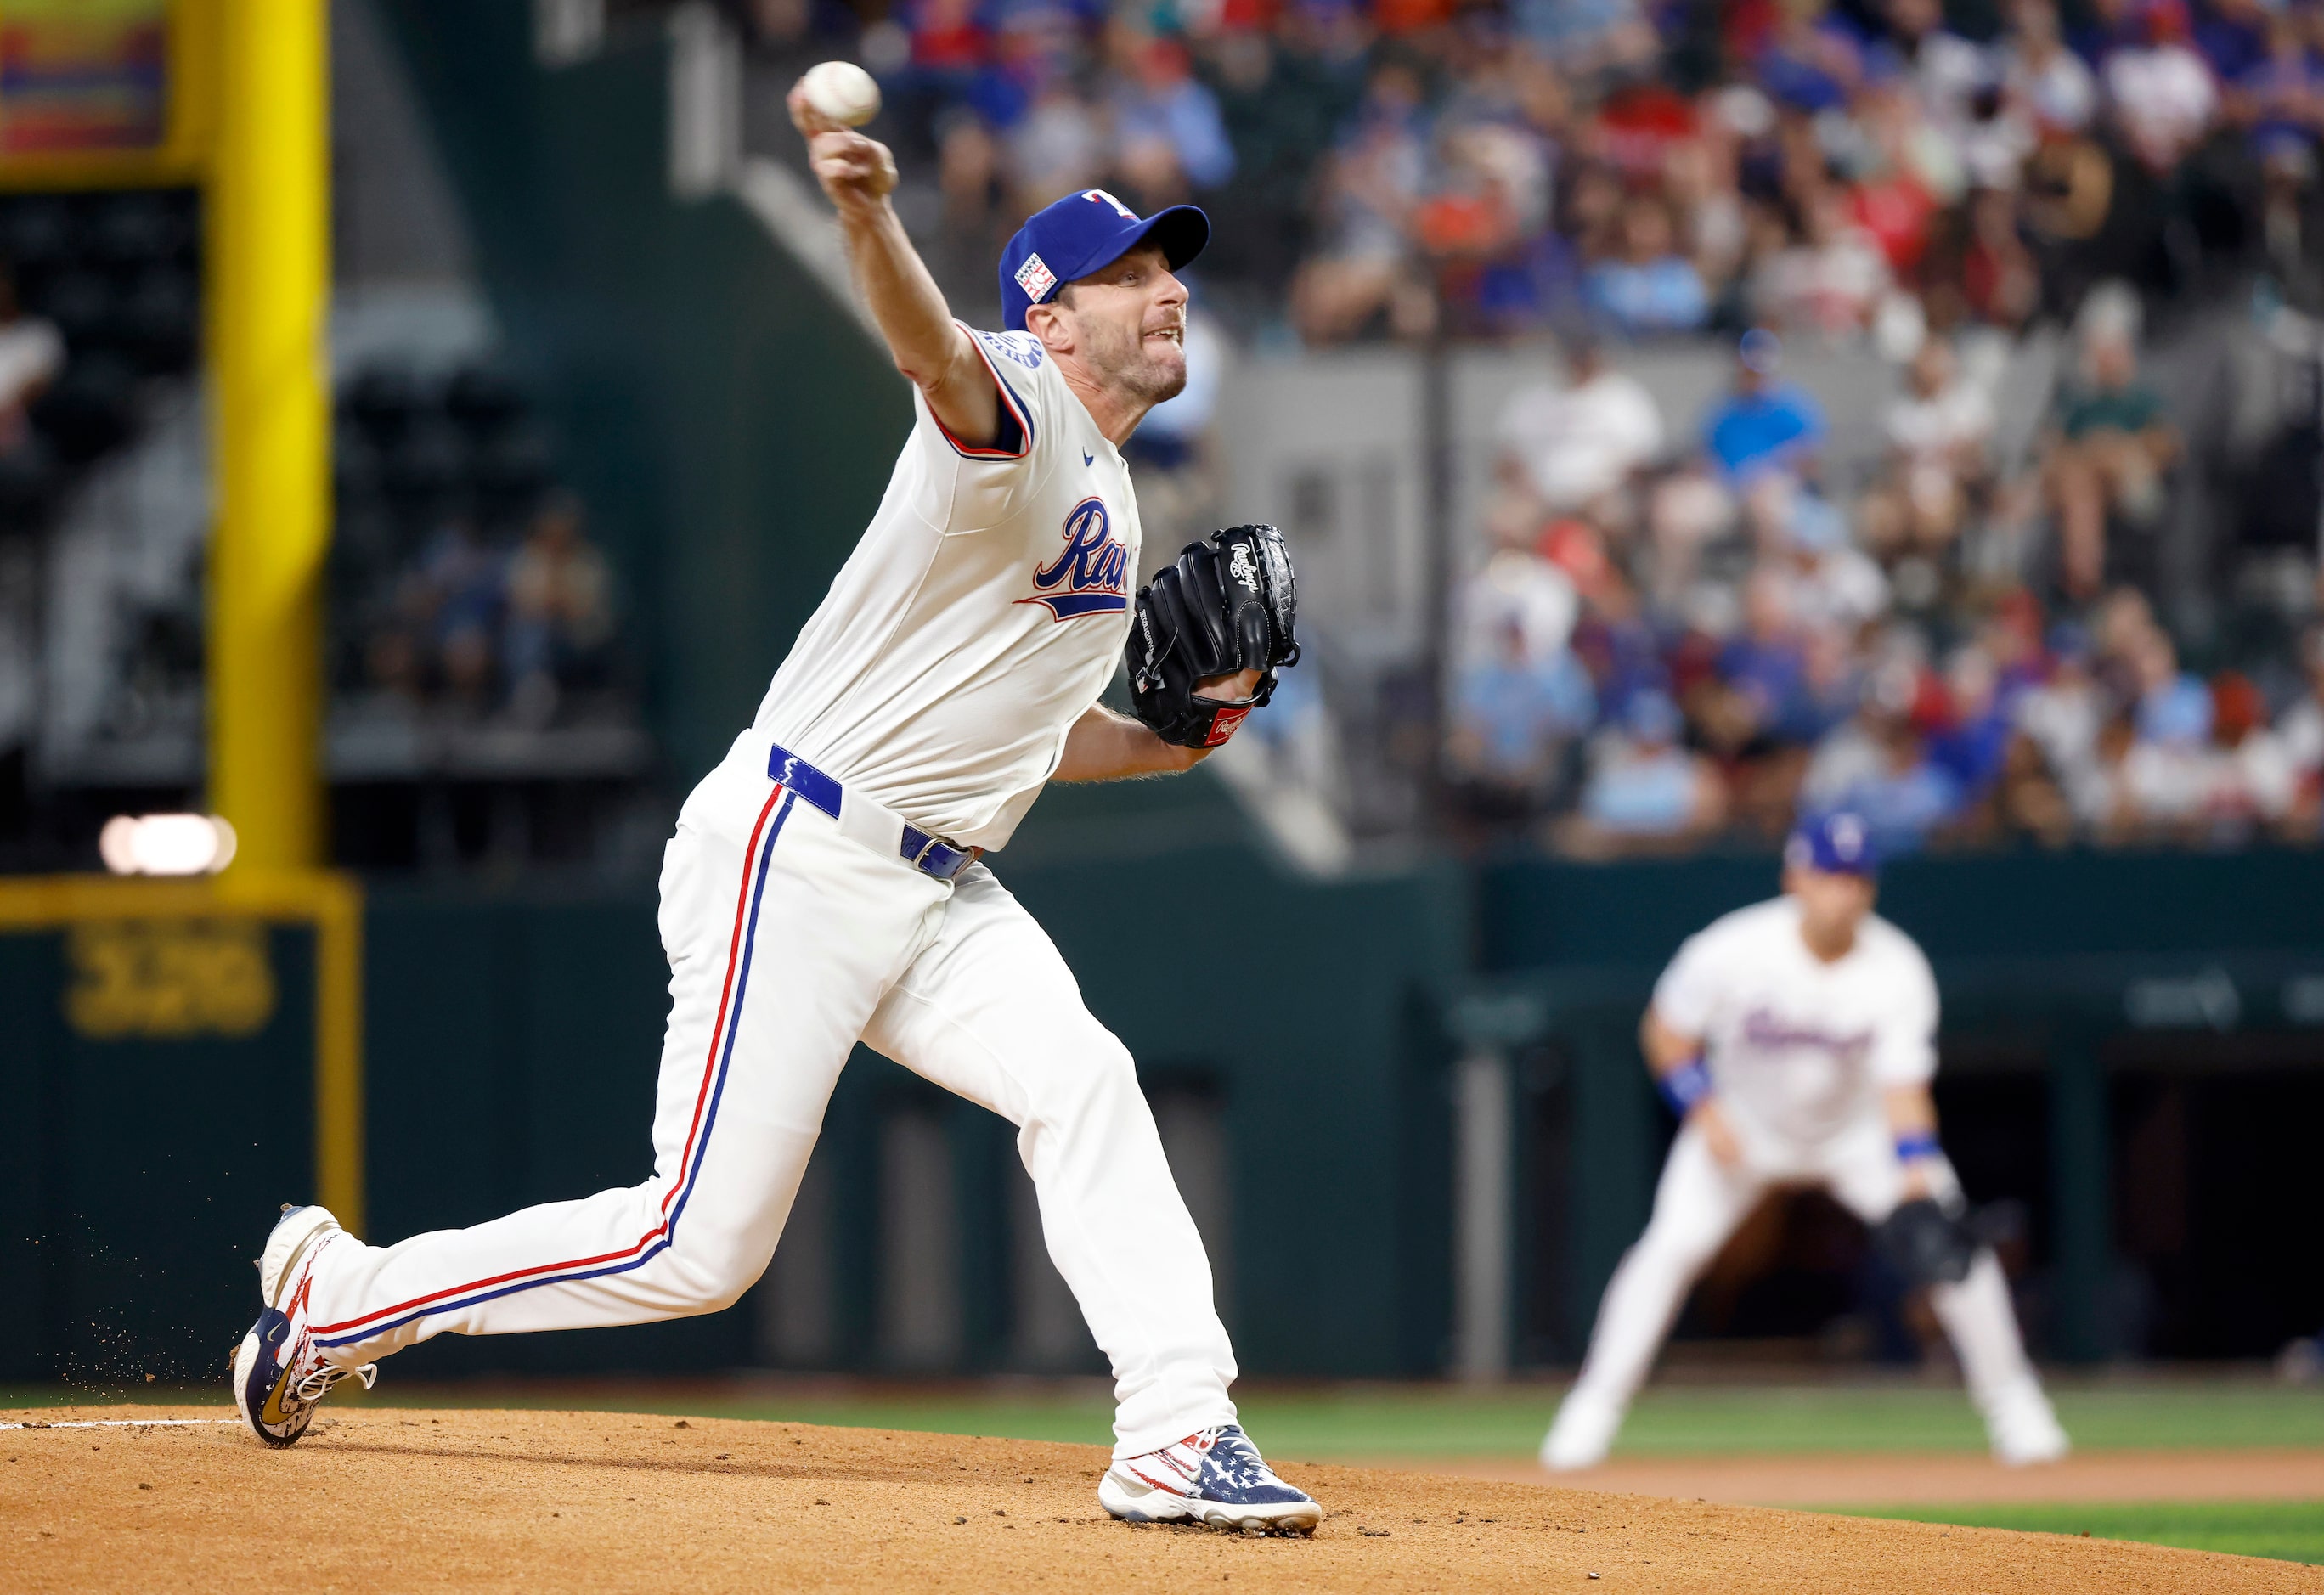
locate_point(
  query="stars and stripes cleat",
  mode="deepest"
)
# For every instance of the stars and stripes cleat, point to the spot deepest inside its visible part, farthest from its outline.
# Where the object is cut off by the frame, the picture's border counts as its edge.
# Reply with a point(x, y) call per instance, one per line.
point(1215, 1477)
point(278, 1374)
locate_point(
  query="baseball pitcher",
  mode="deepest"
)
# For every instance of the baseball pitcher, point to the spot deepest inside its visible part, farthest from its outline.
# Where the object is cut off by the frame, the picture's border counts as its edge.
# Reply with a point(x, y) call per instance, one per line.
point(824, 884)
point(1796, 1039)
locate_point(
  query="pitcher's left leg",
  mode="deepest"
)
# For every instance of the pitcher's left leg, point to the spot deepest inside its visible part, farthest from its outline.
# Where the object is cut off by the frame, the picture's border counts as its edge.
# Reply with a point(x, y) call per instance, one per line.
point(990, 1011)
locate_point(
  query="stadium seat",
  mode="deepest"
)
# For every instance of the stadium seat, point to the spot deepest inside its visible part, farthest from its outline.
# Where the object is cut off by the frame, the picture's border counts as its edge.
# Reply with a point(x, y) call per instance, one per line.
point(83, 305)
point(508, 475)
point(382, 399)
point(137, 229)
point(90, 409)
point(28, 485)
point(160, 321)
point(38, 233)
point(426, 467)
point(355, 464)
point(484, 398)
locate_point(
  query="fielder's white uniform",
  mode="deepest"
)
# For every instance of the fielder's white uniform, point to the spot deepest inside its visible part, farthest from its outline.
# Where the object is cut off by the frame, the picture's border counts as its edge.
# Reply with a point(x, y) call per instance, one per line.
point(981, 617)
point(1800, 1052)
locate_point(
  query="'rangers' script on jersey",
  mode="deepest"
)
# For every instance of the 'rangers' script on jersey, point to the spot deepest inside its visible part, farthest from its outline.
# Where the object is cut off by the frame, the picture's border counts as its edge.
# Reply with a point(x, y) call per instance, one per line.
point(1091, 575)
point(1801, 1048)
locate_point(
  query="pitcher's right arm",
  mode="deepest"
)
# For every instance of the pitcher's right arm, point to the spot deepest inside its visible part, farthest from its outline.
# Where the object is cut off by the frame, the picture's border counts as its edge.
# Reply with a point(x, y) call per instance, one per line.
point(927, 345)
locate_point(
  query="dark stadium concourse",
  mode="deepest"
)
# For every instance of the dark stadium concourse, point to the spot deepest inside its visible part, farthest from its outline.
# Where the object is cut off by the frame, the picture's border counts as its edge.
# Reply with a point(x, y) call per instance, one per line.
point(2201, 1130)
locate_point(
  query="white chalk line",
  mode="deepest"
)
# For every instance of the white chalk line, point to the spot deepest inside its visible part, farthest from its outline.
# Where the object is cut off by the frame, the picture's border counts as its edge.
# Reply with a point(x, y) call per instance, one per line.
point(126, 1424)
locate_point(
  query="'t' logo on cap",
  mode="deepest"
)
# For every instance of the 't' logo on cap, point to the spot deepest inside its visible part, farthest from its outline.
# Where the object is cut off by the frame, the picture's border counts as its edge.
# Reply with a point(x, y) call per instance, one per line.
point(1847, 837)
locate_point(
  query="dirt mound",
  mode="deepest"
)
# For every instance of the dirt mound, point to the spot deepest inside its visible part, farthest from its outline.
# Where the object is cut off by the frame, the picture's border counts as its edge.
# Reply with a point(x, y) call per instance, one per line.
point(380, 1498)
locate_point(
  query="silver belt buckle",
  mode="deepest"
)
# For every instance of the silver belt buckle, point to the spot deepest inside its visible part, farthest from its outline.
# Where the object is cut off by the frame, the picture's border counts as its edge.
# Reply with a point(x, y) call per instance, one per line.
point(931, 843)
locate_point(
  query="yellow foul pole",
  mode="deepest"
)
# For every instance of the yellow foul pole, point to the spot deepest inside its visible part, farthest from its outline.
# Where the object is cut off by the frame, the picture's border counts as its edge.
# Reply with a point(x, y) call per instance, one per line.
point(267, 255)
point(269, 276)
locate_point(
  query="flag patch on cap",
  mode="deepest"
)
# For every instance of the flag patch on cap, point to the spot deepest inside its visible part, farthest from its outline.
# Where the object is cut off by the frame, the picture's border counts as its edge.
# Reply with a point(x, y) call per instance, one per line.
point(1035, 278)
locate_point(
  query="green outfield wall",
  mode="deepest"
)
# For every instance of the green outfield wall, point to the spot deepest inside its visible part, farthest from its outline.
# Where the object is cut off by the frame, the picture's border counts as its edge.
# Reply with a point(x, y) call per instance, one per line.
point(148, 1133)
point(2145, 1086)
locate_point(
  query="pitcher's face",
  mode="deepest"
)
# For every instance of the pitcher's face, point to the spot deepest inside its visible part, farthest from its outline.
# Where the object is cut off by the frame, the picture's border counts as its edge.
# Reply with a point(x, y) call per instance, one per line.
point(1125, 324)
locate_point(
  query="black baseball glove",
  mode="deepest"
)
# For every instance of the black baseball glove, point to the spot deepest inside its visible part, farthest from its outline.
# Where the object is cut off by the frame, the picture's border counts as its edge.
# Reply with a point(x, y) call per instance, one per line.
point(1227, 604)
point(1926, 1244)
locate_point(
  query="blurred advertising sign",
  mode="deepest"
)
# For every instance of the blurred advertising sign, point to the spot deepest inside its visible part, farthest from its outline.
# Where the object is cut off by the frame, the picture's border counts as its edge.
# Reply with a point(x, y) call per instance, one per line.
point(83, 77)
point(105, 93)
point(169, 978)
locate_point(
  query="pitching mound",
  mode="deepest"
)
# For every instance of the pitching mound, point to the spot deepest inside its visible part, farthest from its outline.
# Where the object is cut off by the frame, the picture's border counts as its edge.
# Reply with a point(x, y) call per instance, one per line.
point(380, 1498)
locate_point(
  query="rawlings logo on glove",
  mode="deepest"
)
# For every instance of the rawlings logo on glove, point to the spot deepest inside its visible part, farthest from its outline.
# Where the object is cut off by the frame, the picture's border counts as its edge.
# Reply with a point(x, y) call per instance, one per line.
point(1227, 604)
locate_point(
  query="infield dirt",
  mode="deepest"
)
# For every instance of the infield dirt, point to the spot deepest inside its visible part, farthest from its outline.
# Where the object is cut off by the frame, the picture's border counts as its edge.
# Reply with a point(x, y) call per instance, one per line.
point(394, 1499)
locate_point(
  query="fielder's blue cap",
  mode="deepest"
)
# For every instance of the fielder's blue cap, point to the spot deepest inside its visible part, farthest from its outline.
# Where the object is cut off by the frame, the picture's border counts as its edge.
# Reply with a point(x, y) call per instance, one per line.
point(1081, 233)
point(1838, 843)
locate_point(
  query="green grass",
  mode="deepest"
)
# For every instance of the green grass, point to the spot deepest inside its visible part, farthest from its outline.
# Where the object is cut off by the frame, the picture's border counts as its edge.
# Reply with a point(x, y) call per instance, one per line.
point(1381, 1422)
point(1388, 1422)
point(2291, 1531)
point(2140, 1416)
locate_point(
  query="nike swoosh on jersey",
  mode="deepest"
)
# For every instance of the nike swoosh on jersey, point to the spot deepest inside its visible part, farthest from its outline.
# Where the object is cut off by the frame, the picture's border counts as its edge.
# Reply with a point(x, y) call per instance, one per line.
point(1088, 459)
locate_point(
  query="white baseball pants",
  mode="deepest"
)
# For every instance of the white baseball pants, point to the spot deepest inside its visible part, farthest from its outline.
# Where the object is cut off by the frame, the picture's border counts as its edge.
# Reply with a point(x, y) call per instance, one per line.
point(788, 942)
point(1698, 1204)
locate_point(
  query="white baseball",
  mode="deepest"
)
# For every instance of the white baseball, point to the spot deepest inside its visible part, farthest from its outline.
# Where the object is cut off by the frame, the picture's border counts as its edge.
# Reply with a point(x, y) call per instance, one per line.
point(841, 92)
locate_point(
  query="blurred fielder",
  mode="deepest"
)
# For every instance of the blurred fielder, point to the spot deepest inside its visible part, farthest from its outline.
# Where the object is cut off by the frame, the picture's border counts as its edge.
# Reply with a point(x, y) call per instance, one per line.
point(1796, 1039)
point(823, 885)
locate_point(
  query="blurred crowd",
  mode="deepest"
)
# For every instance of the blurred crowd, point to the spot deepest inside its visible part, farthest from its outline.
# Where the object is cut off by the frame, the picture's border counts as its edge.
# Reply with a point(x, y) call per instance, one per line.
point(469, 589)
point(1693, 625)
point(1679, 639)
point(1824, 166)
point(473, 627)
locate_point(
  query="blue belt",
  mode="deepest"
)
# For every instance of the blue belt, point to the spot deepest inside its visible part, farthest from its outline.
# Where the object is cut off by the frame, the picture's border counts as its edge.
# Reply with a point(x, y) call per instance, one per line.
point(930, 854)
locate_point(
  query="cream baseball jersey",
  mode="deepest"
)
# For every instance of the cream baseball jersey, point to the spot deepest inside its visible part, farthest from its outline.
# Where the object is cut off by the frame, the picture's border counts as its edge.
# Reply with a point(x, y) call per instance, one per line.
point(1798, 1047)
point(980, 615)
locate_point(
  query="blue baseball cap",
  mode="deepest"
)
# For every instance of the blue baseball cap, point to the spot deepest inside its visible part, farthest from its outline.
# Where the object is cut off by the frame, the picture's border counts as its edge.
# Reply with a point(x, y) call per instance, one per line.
point(1083, 232)
point(1838, 843)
